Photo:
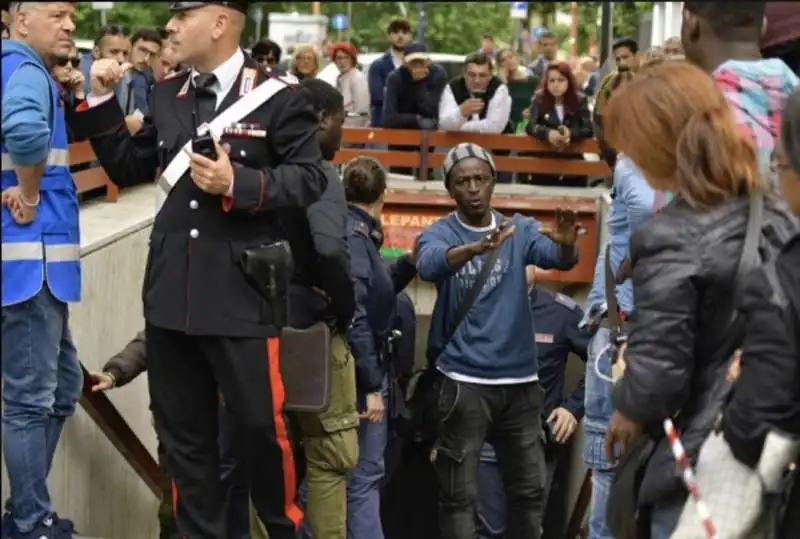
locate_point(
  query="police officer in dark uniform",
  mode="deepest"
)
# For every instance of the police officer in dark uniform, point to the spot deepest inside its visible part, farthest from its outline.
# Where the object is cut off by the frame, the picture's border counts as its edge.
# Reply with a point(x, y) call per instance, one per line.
point(208, 328)
point(376, 289)
point(556, 319)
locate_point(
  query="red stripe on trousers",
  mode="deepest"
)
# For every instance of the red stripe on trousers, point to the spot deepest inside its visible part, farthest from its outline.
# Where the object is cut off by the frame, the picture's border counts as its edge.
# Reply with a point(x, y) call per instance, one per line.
point(293, 512)
point(174, 490)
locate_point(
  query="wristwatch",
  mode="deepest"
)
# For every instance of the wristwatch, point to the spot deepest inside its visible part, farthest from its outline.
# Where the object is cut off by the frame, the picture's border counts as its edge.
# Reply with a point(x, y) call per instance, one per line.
point(113, 379)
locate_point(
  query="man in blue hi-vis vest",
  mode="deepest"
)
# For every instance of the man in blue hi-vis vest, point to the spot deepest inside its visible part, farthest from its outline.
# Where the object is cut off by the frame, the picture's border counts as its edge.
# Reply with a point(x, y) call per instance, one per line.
point(40, 265)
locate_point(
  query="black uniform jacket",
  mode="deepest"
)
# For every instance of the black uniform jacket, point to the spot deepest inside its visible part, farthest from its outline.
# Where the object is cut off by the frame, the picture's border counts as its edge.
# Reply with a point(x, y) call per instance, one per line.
point(555, 319)
point(193, 279)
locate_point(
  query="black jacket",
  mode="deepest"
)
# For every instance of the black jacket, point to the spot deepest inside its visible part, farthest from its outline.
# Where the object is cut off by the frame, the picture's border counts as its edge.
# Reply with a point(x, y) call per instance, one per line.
point(129, 362)
point(193, 280)
point(376, 288)
point(407, 101)
point(556, 318)
point(767, 393)
point(322, 288)
point(684, 263)
point(543, 119)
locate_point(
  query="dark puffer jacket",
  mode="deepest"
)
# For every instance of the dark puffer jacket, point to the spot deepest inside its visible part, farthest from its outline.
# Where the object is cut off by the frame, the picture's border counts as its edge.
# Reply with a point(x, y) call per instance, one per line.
point(684, 265)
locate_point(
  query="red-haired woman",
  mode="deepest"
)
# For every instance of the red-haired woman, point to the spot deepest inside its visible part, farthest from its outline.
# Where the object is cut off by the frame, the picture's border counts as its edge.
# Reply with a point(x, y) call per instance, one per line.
point(352, 84)
point(678, 128)
point(560, 116)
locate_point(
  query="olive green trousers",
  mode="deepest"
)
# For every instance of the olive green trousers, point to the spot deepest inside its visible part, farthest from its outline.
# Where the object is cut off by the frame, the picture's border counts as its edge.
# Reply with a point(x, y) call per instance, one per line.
point(330, 443)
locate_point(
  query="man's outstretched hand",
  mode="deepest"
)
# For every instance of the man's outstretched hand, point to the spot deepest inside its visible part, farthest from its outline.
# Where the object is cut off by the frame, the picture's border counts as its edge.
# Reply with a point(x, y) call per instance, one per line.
point(565, 230)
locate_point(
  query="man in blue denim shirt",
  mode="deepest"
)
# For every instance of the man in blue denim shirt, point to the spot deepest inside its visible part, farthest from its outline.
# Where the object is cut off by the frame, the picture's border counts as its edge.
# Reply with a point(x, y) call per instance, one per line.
point(632, 202)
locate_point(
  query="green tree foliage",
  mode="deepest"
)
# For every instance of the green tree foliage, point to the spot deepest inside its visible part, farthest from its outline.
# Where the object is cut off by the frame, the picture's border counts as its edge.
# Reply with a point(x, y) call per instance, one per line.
point(449, 26)
point(130, 15)
point(625, 16)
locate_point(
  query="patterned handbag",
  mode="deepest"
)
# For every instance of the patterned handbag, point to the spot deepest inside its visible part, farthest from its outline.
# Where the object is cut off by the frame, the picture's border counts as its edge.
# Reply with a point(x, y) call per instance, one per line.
point(745, 503)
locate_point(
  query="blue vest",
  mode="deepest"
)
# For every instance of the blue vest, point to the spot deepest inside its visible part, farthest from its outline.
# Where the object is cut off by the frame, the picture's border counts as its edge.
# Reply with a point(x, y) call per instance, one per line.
point(48, 249)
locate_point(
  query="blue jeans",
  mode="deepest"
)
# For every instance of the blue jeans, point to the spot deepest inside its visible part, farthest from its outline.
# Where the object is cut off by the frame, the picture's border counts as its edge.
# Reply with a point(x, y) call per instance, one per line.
point(601, 487)
point(598, 401)
point(233, 481)
point(42, 382)
point(364, 483)
point(664, 519)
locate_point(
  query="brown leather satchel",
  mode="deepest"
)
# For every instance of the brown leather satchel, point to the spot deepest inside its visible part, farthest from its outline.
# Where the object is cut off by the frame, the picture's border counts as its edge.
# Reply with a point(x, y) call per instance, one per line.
point(305, 357)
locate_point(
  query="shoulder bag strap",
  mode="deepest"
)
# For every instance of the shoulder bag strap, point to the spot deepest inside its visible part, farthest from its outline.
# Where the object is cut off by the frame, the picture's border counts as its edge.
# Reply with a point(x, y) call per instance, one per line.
point(750, 258)
point(748, 261)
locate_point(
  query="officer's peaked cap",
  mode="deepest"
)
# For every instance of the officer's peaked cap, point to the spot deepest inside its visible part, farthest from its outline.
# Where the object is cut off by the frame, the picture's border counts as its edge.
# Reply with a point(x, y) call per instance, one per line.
point(182, 6)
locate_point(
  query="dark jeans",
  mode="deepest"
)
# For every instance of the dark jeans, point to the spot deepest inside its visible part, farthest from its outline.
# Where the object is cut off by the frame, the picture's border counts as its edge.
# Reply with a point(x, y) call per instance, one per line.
point(508, 417)
point(491, 503)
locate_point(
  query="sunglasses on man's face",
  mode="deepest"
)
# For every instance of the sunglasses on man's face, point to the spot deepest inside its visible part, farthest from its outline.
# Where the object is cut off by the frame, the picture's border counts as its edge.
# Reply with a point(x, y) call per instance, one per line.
point(74, 62)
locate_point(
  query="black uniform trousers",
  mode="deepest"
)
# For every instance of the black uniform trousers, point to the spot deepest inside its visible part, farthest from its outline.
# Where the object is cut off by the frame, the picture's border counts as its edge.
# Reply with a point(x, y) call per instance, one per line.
point(186, 376)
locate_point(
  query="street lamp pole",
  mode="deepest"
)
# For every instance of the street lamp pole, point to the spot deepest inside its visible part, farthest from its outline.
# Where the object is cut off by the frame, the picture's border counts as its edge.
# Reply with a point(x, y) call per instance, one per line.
point(421, 23)
point(606, 31)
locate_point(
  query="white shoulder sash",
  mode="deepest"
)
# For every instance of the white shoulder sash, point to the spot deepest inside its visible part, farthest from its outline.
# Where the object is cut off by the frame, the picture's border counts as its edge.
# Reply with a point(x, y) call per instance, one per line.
point(246, 104)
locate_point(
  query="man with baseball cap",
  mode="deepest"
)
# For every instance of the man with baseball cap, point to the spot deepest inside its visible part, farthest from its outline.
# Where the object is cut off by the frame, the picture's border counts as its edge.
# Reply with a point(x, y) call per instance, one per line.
point(413, 91)
point(231, 146)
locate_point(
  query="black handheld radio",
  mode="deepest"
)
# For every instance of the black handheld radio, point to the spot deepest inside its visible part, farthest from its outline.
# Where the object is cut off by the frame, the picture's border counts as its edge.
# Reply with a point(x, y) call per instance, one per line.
point(203, 144)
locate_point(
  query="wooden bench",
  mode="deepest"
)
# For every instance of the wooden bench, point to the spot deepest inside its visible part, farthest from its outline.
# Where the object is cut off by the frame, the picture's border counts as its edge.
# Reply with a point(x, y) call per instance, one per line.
point(87, 172)
point(426, 149)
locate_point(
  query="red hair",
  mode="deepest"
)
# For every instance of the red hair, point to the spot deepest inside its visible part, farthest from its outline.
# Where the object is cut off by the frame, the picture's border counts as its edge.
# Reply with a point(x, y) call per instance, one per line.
point(546, 99)
point(676, 125)
point(347, 48)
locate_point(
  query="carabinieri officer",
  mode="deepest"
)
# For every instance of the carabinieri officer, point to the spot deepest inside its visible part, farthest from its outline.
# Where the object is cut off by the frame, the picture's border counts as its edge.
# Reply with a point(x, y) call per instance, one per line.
point(207, 328)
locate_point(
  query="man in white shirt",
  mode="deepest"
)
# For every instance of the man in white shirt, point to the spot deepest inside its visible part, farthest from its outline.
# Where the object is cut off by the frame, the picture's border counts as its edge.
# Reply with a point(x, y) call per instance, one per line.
point(477, 102)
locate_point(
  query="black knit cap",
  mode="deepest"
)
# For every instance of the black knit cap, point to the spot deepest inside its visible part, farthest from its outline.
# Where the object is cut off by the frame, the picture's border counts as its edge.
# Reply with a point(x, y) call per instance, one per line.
point(182, 6)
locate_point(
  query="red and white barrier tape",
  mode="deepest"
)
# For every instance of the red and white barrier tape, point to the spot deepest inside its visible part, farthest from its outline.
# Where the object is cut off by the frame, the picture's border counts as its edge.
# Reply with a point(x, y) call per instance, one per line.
point(688, 477)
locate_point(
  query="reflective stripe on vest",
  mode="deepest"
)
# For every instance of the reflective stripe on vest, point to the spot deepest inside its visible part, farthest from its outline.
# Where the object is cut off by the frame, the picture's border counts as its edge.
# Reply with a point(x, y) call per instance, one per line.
point(48, 249)
point(56, 158)
point(30, 250)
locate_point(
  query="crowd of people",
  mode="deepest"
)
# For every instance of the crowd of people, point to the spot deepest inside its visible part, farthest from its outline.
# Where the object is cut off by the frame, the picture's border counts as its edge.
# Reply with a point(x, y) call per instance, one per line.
point(259, 250)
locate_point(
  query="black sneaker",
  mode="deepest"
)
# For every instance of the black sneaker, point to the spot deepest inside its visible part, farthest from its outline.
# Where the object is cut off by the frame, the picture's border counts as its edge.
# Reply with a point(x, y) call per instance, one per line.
point(50, 528)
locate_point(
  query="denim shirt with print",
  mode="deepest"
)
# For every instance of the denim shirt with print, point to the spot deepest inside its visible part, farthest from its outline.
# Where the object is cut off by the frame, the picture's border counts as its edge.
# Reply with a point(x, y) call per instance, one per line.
point(632, 202)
